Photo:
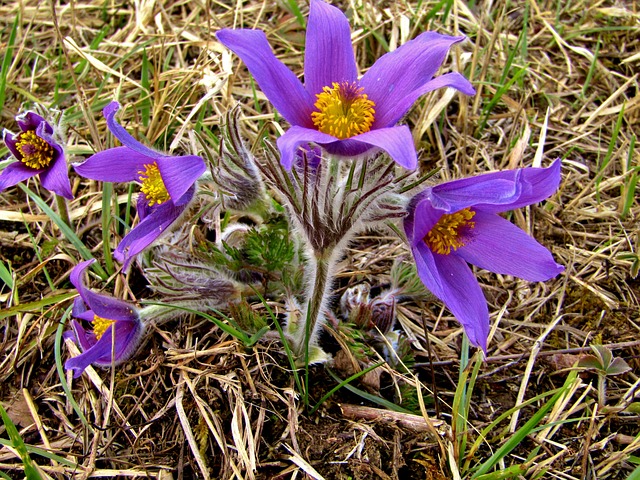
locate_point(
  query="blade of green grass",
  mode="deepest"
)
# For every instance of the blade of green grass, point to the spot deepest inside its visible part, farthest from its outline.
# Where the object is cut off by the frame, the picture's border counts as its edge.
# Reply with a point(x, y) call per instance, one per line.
point(635, 475)
point(369, 397)
point(592, 69)
point(37, 305)
point(525, 430)
point(290, 356)
point(43, 453)
point(5, 275)
point(107, 194)
point(57, 349)
point(30, 468)
point(66, 230)
point(240, 335)
point(498, 95)
point(6, 61)
point(145, 101)
point(607, 158)
point(36, 248)
point(632, 183)
point(295, 9)
point(353, 377)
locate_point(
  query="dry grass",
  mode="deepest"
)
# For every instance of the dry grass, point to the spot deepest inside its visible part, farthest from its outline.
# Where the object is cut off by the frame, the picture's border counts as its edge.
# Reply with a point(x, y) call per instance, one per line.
point(194, 403)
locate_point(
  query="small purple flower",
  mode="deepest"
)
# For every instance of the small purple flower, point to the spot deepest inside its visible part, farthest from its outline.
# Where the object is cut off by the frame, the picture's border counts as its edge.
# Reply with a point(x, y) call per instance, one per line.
point(167, 184)
point(108, 316)
point(37, 153)
point(456, 223)
point(346, 115)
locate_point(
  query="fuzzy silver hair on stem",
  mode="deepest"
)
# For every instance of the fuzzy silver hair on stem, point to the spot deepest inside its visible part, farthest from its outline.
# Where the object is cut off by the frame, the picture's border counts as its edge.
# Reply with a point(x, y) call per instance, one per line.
point(329, 201)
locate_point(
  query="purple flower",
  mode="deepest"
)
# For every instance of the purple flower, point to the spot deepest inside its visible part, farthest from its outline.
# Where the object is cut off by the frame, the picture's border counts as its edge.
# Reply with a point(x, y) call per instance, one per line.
point(37, 153)
point(455, 223)
point(108, 316)
point(333, 108)
point(167, 184)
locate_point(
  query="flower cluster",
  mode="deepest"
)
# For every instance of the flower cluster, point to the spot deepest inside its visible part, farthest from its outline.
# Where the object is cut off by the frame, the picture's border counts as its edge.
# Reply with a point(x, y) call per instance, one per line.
point(330, 169)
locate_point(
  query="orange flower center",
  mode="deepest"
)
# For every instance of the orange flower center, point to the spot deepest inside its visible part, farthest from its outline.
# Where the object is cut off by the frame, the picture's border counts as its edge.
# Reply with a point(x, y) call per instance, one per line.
point(446, 234)
point(153, 186)
point(100, 326)
point(36, 152)
point(343, 110)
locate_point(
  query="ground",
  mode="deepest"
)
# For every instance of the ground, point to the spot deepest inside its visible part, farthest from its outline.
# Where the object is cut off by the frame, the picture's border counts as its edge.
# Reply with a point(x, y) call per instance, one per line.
point(553, 80)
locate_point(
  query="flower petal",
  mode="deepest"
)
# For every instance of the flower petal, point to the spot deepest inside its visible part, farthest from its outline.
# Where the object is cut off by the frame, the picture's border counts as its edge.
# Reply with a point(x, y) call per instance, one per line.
point(146, 232)
point(396, 141)
point(10, 140)
point(179, 174)
point(535, 185)
point(104, 306)
point(421, 218)
point(328, 55)
point(119, 164)
point(497, 245)
point(127, 338)
point(293, 138)
point(279, 84)
point(125, 137)
point(463, 297)
point(498, 191)
point(450, 279)
point(56, 177)
point(391, 114)
point(89, 356)
point(85, 338)
point(398, 74)
point(15, 173)
point(31, 121)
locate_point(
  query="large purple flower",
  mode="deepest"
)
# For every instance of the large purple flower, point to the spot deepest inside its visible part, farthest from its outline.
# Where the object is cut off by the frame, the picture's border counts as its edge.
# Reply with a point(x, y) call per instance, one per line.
point(455, 223)
point(108, 316)
point(168, 184)
point(333, 108)
point(37, 153)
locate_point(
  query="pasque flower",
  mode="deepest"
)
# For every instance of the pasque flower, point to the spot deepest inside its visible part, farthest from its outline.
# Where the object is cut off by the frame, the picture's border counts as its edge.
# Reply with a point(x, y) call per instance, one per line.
point(346, 115)
point(167, 184)
point(109, 317)
point(37, 153)
point(456, 223)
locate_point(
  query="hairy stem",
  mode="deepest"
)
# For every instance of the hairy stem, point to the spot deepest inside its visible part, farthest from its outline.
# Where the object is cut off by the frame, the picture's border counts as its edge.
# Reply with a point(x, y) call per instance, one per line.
point(306, 332)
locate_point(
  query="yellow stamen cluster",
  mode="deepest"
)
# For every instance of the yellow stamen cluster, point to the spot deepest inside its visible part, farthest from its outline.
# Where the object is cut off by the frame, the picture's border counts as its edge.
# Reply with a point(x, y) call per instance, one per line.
point(343, 110)
point(445, 235)
point(152, 185)
point(100, 326)
point(36, 152)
